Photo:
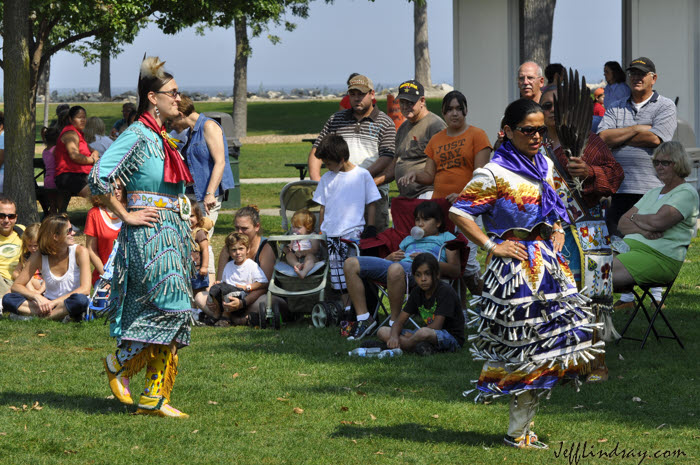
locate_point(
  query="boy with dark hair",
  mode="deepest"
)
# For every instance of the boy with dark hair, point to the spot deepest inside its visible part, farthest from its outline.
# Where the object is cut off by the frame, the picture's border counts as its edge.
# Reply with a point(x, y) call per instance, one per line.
point(343, 192)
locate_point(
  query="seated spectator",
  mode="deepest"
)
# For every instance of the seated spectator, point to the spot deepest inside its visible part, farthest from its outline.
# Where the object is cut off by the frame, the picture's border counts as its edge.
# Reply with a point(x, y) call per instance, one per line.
point(49, 158)
point(10, 242)
point(658, 229)
point(395, 269)
point(65, 267)
point(74, 159)
point(453, 155)
point(101, 230)
point(30, 244)
point(616, 88)
point(127, 108)
point(343, 192)
point(301, 254)
point(95, 135)
point(439, 307)
point(61, 116)
point(241, 276)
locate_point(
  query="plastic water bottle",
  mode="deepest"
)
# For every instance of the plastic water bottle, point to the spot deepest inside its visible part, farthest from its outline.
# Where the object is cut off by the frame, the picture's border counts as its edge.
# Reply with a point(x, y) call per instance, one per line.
point(365, 352)
point(417, 233)
point(390, 353)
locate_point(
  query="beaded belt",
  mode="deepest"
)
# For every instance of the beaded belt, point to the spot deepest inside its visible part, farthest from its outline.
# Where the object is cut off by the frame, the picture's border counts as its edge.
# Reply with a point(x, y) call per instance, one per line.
point(143, 199)
point(543, 232)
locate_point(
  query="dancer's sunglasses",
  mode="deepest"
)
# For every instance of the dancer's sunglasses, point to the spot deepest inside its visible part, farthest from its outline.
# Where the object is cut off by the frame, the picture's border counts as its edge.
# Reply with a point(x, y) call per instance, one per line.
point(531, 130)
point(170, 93)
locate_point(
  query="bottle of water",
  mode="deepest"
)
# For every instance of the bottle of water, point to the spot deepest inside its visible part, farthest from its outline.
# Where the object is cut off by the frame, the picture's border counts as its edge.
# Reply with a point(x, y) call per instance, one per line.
point(365, 352)
point(390, 353)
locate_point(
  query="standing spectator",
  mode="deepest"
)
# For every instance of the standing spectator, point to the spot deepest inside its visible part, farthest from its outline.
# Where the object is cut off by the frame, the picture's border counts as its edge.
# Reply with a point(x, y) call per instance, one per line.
point(95, 135)
point(65, 267)
point(370, 135)
point(345, 101)
point(117, 128)
point(49, 158)
point(530, 81)
point(101, 230)
point(598, 108)
point(616, 88)
point(10, 242)
point(74, 159)
point(411, 139)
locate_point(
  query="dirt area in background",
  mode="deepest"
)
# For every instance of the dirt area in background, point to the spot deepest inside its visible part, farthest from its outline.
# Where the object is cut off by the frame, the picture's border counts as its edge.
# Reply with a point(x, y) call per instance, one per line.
point(276, 139)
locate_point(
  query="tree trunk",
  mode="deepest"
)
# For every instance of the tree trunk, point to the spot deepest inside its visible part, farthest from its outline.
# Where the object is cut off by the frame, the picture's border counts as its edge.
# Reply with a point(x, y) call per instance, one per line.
point(421, 53)
point(20, 111)
point(536, 20)
point(240, 78)
point(105, 87)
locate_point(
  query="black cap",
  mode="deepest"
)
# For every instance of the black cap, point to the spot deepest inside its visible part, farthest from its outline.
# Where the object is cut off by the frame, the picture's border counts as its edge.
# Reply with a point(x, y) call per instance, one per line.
point(411, 91)
point(642, 64)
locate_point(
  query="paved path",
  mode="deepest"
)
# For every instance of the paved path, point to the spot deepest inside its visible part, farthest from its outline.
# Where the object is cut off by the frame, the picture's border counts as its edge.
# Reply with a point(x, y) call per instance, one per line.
point(267, 180)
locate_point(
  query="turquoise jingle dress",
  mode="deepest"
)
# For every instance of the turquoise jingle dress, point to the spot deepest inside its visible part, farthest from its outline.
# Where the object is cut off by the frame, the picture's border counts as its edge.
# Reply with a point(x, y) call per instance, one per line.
point(151, 297)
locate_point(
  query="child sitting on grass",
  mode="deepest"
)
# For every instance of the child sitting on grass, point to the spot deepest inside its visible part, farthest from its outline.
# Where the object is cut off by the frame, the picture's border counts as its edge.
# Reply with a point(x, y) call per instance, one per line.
point(343, 192)
point(241, 276)
point(301, 254)
point(30, 244)
point(200, 248)
point(439, 306)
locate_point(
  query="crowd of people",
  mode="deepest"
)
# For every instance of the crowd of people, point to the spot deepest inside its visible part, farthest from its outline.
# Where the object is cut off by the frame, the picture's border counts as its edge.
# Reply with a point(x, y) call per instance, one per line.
point(550, 222)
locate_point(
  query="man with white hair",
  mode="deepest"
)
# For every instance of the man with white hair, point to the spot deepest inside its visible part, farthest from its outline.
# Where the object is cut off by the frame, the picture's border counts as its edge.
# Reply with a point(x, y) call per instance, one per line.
point(530, 81)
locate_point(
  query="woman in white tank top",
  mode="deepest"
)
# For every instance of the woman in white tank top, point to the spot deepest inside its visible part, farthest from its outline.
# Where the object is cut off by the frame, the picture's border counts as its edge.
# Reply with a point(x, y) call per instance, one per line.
point(65, 267)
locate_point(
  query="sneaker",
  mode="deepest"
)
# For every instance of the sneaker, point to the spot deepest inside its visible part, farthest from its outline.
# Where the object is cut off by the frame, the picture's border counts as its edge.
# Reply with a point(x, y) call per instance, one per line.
point(623, 306)
point(529, 441)
point(371, 343)
point(362, 329)
point(424, 348)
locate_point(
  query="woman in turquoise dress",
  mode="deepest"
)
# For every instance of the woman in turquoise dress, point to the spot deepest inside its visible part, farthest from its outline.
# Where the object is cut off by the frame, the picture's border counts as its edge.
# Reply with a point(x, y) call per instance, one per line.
point(150, 301)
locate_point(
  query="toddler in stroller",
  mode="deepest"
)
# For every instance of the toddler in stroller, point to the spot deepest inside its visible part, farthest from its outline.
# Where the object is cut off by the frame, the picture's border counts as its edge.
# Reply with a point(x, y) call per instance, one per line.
point(301, 254)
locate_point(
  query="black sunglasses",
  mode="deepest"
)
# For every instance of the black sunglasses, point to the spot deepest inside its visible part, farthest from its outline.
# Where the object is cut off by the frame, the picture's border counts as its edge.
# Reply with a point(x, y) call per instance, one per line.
point(665, 163)
point(531, 130)
point(547, 105)
point(170, 93)
point(11, 216)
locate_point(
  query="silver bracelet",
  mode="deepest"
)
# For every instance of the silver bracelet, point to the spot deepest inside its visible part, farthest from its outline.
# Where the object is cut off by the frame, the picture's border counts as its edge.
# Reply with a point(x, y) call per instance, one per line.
point(560, 230)
point(488, 246)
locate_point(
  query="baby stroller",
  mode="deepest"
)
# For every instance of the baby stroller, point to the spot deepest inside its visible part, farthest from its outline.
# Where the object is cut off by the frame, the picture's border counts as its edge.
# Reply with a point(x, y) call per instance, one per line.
point(295, 196)
point(98, 305)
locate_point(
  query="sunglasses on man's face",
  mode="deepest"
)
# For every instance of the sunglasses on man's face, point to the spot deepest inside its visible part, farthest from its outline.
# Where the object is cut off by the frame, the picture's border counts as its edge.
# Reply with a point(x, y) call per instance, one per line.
point(531, 130)
point(665, 163)
point(11, 216)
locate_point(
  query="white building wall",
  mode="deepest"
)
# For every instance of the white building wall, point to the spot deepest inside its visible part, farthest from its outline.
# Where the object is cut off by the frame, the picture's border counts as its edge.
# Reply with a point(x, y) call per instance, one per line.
point(486, 58)
point(668, 32)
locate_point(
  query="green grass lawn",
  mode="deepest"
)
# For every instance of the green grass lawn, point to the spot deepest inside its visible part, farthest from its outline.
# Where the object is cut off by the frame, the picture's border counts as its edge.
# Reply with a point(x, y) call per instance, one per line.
point(268, 160)
point(241, 386)
point(281, 118)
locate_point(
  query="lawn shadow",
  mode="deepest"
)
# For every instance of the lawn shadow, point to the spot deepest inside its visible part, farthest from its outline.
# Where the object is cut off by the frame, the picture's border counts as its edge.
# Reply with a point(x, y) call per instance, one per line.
point(418, 433)
point(60, 401)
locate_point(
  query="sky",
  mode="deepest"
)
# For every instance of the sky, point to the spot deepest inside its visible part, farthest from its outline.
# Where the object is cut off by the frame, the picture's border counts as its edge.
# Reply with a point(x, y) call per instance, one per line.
point(373, 38)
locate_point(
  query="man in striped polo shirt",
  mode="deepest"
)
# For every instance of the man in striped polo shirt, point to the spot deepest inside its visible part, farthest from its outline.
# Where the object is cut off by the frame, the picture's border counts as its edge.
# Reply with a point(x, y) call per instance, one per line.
point(370, 135)
point(632, 129)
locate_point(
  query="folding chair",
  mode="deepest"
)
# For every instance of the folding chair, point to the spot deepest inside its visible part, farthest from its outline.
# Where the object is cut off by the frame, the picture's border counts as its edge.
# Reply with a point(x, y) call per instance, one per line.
point(658, 306)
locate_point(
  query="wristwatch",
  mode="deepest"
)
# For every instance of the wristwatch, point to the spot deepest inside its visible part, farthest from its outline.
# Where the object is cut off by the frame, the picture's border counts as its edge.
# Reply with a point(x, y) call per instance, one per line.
point(632, 217)
point(207, 193)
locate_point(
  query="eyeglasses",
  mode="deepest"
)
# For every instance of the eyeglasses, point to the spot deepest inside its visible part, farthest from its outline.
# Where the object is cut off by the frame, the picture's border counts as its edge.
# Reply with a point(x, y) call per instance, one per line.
point(11, 216)
point(170, 93)
point(531, 130)
point(547, 106)
point(664, 163)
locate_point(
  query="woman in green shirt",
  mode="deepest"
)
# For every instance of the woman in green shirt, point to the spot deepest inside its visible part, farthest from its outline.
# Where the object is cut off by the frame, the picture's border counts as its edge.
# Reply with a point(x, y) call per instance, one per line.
point(659, 227)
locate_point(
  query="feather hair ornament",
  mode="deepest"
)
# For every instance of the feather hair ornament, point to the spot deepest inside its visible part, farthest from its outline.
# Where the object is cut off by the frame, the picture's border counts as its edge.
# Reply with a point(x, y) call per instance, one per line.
point(152, 67)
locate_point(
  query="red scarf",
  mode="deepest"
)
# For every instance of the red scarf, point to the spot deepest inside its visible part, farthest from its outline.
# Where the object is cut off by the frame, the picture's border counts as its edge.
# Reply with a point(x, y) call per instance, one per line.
point(175, 168)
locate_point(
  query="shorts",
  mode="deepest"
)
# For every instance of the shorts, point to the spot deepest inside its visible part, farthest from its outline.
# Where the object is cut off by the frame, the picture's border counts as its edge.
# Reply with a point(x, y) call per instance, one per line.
point(72, 183)
point(76, 304)
point(445, 341)
point(647, 265)
point(376, 269)
point(199, 282)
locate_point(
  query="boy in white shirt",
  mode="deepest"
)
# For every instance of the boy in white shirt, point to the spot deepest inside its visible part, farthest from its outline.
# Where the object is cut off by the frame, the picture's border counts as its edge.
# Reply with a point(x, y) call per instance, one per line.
point(343, 192)
point(240, 276)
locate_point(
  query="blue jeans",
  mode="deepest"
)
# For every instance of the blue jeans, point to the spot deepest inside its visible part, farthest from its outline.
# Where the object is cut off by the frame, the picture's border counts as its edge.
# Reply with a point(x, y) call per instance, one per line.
point(76, 304)
point(445, 341)
point(376, 269)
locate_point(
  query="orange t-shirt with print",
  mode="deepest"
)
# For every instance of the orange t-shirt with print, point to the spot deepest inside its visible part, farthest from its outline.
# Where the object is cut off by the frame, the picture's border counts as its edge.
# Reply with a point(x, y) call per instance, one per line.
point(454, 159)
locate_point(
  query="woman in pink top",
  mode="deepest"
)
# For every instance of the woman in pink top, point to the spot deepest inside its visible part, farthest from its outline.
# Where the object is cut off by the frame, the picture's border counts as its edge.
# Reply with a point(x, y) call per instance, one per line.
point(49, 157)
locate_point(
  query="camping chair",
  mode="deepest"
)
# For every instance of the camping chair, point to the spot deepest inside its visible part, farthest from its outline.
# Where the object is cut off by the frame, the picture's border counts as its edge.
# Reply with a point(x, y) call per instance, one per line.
point(98, 304)
point(658, 307)
point(389, 240)
point(295, 196)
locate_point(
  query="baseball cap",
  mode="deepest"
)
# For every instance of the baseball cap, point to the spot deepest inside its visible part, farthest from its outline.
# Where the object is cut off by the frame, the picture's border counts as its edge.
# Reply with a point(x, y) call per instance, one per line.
point(361, 83)
point(642, 64)
point(411, 91)
point(598, 91)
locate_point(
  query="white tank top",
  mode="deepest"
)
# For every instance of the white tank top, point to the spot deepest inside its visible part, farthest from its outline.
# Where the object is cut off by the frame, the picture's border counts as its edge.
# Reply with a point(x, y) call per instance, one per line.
point(56, 286)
